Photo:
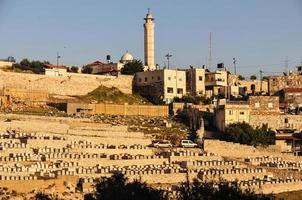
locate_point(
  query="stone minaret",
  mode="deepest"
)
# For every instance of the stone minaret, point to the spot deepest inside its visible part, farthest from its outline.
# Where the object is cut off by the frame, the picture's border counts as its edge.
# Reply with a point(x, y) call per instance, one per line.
point(149, 41)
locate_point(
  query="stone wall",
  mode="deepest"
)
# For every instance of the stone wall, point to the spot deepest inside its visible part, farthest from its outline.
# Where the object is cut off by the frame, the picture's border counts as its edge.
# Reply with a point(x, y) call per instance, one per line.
point(231, 149)
point(72, 84)
point(277, 121)
point(264, 104)
point(114, 109)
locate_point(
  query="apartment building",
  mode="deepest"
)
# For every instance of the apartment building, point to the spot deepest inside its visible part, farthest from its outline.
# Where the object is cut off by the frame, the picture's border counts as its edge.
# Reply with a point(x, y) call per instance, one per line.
point(161, 85)
point(216, 82)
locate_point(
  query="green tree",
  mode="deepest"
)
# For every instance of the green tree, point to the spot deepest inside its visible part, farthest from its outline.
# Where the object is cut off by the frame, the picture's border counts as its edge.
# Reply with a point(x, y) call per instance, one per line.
point(198, 190)
point(245, 134)
point(25, 62)
point(43, 196)
point(73, 69)
point(132, 67)
point(34, 66)
point(240, 77)
point(253, 77)
point(193, 99)
point(118, 187)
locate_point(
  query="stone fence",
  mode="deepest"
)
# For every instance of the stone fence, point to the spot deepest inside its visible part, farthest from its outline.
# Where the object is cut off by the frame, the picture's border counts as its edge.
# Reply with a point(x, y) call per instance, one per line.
point(72, 84)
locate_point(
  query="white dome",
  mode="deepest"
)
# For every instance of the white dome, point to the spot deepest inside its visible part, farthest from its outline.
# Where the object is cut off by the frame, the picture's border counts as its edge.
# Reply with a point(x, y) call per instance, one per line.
point(127, 57)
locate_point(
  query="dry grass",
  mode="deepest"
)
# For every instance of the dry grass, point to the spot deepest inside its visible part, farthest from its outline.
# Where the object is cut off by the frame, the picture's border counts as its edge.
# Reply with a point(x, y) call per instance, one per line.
point(295, 195)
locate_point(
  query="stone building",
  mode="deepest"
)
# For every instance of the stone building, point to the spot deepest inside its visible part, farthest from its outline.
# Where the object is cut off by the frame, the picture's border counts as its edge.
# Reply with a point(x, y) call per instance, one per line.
point(231, 112)
point(247, 87)
point(195, 81)
point(55, 70)
point(278, 83)
point(161, 85)
point(99, 67)
point(291, 95)
point(264, 104)
point(258, 110)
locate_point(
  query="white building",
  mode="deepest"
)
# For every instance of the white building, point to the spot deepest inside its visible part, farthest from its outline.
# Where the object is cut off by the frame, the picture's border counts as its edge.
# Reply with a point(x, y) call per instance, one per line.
point(161, 85)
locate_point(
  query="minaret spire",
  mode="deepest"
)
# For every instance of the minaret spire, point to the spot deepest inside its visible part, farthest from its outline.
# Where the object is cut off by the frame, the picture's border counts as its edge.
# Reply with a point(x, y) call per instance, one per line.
point(149, 40)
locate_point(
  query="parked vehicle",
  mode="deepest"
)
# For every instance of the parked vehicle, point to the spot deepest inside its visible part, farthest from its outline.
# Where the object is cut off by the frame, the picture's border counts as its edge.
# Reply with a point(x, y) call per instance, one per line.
point(162, 144)
point(187, 144)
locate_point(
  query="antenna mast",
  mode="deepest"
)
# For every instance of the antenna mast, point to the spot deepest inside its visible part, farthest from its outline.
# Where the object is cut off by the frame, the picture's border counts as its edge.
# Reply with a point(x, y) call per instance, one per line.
point(210, 50)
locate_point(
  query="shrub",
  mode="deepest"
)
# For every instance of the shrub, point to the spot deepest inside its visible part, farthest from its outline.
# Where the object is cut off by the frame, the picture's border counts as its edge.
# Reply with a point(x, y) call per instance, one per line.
point(245, 134)
point(118, 187)
point(198, 190)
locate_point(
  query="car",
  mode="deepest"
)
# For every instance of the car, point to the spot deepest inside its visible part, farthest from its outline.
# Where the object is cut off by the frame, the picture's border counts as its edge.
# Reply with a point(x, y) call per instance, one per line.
point(162, 144)
point(187, 143)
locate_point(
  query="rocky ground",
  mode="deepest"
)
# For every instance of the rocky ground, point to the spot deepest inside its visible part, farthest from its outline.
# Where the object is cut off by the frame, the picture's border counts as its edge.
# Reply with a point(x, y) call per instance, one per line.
point(157, 127)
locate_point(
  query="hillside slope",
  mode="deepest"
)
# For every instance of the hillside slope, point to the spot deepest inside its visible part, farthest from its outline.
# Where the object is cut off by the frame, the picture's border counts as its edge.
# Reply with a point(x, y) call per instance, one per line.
point(113, 95)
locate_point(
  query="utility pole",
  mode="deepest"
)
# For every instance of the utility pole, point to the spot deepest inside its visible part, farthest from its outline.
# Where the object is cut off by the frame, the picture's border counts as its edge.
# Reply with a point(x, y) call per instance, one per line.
point(168, 56)
point(210, 50)
point(234, 63)
point(286, 64)
point(58, 57)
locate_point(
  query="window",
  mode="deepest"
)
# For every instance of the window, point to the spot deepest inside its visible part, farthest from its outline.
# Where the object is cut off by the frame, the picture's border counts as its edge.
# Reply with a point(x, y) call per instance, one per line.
point(286, 120)
point(253, 87)
point(170, 90)
point(200, 78)
point(241, 113)
point(257, 105)
point(158, 78)
point(146, 79)
point(152, 77)
point(169, 78)
point(230, 112)
point(139, 80)
point(179, 91)
point(270, 105)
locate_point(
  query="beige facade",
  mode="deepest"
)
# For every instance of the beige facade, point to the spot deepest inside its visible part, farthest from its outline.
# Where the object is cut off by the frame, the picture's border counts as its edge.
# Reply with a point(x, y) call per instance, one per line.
point(161, 85)
point(4, 64)
point(149, 41)
point(246, 87)
point(56, 72)
point(195, 81)
point(231, 112)
point(252, 86)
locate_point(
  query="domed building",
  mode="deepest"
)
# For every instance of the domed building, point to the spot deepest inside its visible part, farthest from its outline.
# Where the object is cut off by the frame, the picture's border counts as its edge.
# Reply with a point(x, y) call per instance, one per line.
point(126, 58)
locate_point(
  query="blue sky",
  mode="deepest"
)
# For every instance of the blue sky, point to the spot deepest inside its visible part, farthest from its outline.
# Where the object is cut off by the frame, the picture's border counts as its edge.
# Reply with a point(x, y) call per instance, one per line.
point(260, 34)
